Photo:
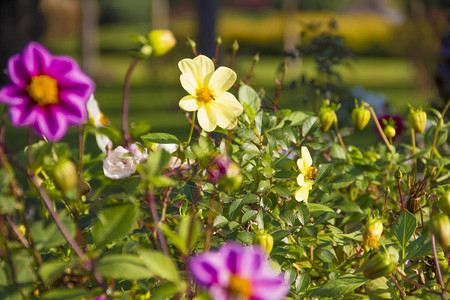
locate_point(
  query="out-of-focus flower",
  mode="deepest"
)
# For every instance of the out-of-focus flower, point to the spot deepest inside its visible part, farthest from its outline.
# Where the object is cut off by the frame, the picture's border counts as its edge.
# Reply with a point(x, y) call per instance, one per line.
point(208, 93)
point(161, 41)
point(224, 171)
point(174, 162)
point(238, 272)
point(372, 233)
point(308, 173)
point(122, 162)
point(48, 93)
point(99, 120)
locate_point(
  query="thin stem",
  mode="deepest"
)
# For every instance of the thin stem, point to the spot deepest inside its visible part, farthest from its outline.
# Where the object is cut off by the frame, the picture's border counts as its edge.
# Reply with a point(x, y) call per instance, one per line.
point(438, 126)
point(209, 225)
point(154, 213)
point(192, 127)
point(252, 67)
point(4, 234)
point(413, 144)
point(279, 86)
point(380, 130)
point(126, 102)
point(17, 232)
point(400, 193)
point(413, 282)
point(397, 285)
point(438, 269)
point(338, 134)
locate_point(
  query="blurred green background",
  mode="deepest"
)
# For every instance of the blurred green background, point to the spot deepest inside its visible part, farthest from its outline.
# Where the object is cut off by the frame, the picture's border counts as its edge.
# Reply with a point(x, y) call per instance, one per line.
point(396, 45)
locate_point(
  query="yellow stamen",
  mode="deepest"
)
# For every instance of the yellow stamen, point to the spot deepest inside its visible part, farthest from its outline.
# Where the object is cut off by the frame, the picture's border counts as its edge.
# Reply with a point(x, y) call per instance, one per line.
point(240, 287)
point(205, 94)
point(103, 119)
point(311, 173)
point(43, 89)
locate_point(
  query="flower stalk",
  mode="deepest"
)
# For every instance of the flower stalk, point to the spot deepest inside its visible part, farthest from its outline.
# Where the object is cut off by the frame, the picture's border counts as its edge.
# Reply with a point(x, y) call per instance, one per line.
point(380, 130)
point(438, 126)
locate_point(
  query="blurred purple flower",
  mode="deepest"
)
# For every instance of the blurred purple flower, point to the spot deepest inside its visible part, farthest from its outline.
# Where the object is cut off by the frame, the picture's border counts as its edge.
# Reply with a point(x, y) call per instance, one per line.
point(48, 93)
point(238, 272)
point(217, 168)
point(398, 124)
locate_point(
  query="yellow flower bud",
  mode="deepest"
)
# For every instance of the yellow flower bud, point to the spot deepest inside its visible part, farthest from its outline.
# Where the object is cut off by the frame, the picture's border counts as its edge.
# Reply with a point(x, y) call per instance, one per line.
point(162, 41)
point(372, 233)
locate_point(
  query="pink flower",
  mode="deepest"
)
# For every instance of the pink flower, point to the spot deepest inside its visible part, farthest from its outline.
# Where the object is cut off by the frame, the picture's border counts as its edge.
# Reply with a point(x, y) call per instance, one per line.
point(238, 272)
point(122, 162)
point(48, 93)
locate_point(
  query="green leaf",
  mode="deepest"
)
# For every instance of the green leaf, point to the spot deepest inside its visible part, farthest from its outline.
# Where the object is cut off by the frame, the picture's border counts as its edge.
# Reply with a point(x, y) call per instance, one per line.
point(137, 129)
point(248, 216)
point(114, 222)
point(160, 265)
point(7, 204)
point(50, 271)
point(184, 228)
point(420, 247)
point(46, 234)
point(287, 216)
point(318, 209)
point(65, 294)
point(263, 186)
point(324, 171)
point(245, 237)
point(160, 138)
point(296, 118)
point(336, 151)
point(302, 213)
point(247, 135)
point(249, 96)
point(155, 163)
point(123, 266)
point(220, 221)
point(309, 125)
point(404, 227)
point(302, 281)
point(429, 136)
point(235, 208)
point(339, 287)
point(282, 191)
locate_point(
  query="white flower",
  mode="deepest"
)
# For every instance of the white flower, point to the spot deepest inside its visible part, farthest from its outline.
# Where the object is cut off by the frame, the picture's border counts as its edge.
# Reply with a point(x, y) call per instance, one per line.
point(121, 162)
point(99, 120)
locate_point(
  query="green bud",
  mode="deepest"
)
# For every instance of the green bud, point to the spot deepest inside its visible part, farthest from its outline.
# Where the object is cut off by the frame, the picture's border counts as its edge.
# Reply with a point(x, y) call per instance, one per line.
point(440, 227)
point(265, 240)
point(65, 174)
point(360, 116)
point(326, 115)
point(162, 41)
point(398, 174)
point(235, 46)
point(378, 266)
point(417, 119)
point(389, 131)
point(256, 57)
point(219, 40)
point(444, 202)
point(192, 43)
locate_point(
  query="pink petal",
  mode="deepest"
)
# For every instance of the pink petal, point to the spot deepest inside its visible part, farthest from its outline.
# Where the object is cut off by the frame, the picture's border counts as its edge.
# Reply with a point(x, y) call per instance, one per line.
point(36, 58)
point(13, 95)
point(51, 123)
point(24, 115)
point(17, 72)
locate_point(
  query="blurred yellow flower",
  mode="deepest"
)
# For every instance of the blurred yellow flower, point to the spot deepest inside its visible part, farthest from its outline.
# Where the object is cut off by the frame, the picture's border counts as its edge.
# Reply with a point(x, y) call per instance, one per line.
point(208, 94)
point(308, 174)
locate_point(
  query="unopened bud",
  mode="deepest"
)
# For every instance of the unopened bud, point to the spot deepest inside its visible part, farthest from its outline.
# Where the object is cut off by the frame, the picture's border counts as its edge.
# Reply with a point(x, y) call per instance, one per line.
point(265, 240)
point(235, 46)
point(360, 116)
point(65, 174)
point(162, 41)
point(219, 40)
point(389, 131)
point(372, 233)
point(440, 227)
point(378, 266)
point(398, 174)
point(444, 203)
point(417, 119)
point(256, 57)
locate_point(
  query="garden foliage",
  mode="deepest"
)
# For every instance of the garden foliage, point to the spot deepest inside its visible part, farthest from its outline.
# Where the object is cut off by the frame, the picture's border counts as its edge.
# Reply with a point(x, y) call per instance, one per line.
point(259, 203)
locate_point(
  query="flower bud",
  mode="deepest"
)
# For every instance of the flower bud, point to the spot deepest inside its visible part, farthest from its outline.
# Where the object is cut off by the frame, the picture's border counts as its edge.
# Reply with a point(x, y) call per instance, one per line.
point(162, 41)
point(235, 46)
point(326, 115)
point(65, 174)
point(378, 266)
point(265, 240)
point(398, 174)
point(389, 131)
point(417, 119)
point(440, 227)
point(372, 233)
point(444, 203)
point(360, 116)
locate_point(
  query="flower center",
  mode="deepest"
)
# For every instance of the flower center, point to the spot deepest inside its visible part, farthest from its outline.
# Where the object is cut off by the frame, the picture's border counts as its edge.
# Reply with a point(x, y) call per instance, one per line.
point(205, 94)
point(103, 119)
point(312, 173)
point(239, 287)
point(43, 89)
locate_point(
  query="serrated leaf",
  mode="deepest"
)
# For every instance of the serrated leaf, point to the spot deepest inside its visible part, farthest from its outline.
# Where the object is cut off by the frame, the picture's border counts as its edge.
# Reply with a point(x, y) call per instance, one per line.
point(160, 138)
point(404, 227)
point(248, 216)
point(339, 287)
point(123, 266)
point(113, 223)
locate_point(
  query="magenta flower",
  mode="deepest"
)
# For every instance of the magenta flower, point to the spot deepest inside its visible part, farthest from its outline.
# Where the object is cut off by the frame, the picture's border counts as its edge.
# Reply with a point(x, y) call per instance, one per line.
point(48, 93)
point(238, 272)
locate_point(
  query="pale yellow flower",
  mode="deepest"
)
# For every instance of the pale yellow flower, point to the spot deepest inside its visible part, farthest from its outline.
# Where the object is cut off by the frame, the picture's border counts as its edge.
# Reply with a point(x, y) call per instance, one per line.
point(308, 174)
point(208, 94)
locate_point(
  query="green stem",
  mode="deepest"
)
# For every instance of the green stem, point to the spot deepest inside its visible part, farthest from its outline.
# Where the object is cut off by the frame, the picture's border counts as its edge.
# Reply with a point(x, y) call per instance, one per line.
point(413, 144)
point(338, 134)
point(380, 130)
point(438, 126)
point(438, 269)
point(192, 128)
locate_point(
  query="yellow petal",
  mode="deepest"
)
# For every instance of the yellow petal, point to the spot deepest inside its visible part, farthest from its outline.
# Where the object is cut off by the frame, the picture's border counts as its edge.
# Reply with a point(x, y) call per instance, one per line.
point(201, 67)
point(301, 166)
point(301, 180)
point(302, 194)
point(207, 118)
point(189, 103)
point(227, 110)
point(189, 83)
point(307, 160)
point(222, 80)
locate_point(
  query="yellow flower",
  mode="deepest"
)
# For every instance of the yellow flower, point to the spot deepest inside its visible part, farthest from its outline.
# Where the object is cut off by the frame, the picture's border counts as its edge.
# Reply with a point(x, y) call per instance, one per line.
point(208, 94)
point(308, 174)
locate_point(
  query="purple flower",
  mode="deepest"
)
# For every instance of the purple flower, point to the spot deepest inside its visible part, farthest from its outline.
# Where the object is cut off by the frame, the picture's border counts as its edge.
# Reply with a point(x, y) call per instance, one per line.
point(238, 272)
point(48, 93)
